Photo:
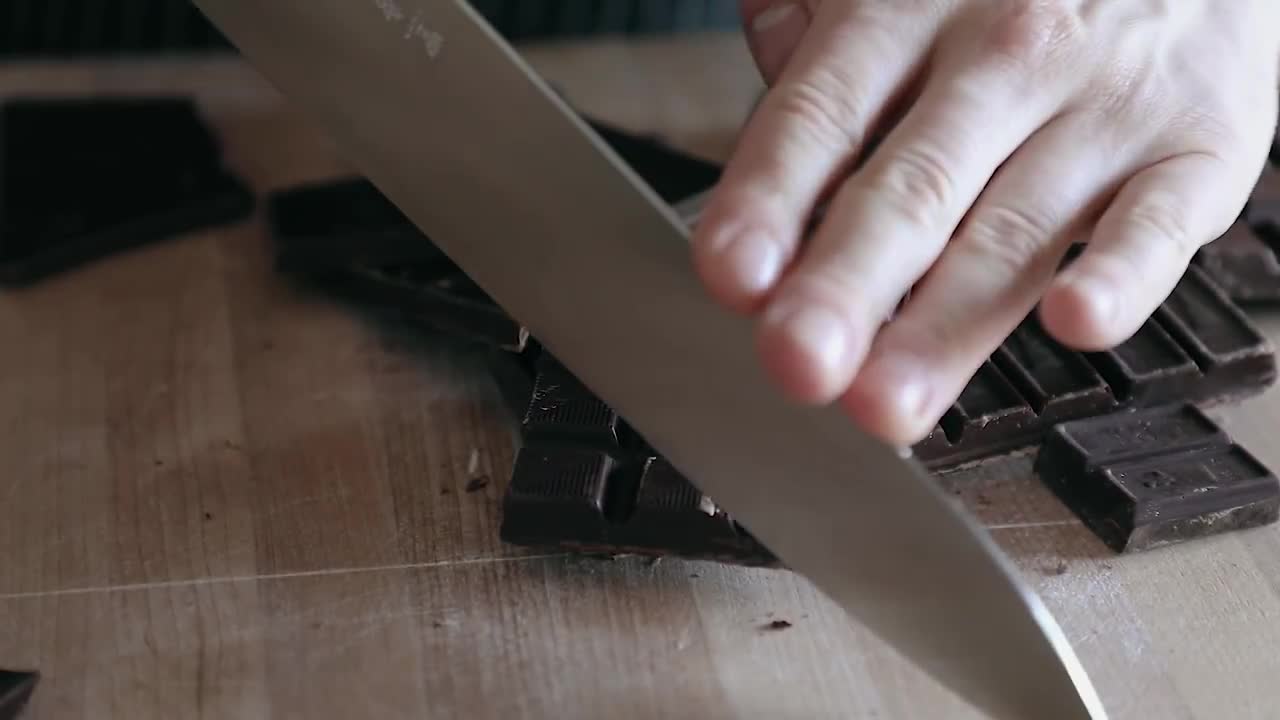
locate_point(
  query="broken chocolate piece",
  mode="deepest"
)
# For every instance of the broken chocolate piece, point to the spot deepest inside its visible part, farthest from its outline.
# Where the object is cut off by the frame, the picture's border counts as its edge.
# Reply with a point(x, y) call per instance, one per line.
point(331, 225)
point(1244, 265)
point(1148, 369)
point(16, 689)
point(85, 179)
point(1232, 355)
point(1154, 477)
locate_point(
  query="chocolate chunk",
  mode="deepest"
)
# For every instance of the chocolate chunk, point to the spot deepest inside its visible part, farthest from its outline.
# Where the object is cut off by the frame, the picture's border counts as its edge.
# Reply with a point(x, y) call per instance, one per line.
point(1263, 211)
point(1231, 354)
point(563, 410)
point(1244, 265)
point(338, 223)
point(16, 689)
point(85, 179)
point(1144, 479)
point(1148, 369)
point(989, 417)
point(1059, 383)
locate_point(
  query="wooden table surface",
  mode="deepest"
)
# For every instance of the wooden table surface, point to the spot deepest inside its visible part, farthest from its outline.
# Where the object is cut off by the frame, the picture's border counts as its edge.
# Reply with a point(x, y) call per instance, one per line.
point(225, 498)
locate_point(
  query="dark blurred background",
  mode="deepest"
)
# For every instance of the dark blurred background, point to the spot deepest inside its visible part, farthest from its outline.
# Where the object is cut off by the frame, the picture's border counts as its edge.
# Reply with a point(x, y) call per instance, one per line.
point(87, 28)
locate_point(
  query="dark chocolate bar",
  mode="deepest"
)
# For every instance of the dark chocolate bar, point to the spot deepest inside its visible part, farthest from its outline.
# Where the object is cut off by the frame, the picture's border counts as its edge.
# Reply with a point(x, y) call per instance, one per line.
point(583, 479)
point(16, 689)
point(84, 179)
point(1154, 477)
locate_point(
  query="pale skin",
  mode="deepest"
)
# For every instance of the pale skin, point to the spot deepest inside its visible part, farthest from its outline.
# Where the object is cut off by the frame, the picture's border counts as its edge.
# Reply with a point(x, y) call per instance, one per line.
point(1015, 129)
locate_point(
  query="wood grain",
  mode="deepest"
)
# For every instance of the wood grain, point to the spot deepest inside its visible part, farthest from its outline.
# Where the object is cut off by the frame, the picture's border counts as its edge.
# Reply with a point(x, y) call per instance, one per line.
point(227, 498)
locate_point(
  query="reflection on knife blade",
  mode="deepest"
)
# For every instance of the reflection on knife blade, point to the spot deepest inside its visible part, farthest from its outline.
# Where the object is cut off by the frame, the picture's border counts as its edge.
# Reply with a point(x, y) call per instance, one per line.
point(451, 125)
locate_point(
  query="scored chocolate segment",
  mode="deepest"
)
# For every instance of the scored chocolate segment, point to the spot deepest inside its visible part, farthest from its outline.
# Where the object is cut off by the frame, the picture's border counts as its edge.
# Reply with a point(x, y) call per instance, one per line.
point(1229, 351)
point(1263, 211)
point(584, 479)
point(1244, 265)
point(669, 511)
point(557, 494)
point(1058, 382)
point(989, 416)
point(1149, 368)
point(562, 410)
point(1155, 477)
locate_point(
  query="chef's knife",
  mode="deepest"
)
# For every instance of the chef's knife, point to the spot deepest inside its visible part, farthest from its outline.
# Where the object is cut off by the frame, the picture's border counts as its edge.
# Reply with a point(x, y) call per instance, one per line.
point(445, 118)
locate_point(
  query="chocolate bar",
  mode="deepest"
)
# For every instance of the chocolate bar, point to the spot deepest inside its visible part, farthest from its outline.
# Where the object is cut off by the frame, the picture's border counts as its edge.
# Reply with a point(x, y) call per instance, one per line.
point(84, 179)
point(583, 479)
point(1144, 479)
point(16, 689)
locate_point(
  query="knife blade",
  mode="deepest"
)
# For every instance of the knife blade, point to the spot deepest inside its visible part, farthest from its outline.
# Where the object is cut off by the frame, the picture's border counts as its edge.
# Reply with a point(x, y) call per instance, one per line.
point(447, 120)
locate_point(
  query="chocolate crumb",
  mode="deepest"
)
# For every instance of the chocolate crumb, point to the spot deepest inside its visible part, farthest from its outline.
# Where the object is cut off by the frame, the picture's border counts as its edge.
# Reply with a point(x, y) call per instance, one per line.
point(1059, 569)
point(777, 625)
point(445, 491)
point(436, 624)
point(208, 516)
point(477, 484)
point(694, 575)
point(983, 500)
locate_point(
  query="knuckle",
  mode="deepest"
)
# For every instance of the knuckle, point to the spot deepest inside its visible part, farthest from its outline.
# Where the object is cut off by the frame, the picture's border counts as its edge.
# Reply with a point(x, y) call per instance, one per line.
point(822, 108)
point(917, 183)
point(1028, 34)
point(1160, 218)
point(1008, 239)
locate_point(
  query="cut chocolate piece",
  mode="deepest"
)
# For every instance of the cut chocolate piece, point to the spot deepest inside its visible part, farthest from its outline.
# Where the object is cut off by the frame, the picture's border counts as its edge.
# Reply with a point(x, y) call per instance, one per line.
point(557, 496)
point(331, 225)
point(989, 417)
point(1232, 355)
point(1148, 369)
point(563, 410)
point(1245, 266)
point(1263, 212)
point(85, 179)
point(1059, 383)
point(669, 512)
point(1144, 479)
point(16, 689)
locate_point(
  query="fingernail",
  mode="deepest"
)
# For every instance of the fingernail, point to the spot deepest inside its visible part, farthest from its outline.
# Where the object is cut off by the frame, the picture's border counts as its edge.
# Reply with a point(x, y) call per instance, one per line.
point(754, 262)
point(773, 16)
point(821, 335)
point(1098, 295)
point(903, 383)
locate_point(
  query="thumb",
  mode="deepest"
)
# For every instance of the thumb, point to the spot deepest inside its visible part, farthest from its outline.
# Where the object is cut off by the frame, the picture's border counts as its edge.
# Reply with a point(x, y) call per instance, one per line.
point(774, 29)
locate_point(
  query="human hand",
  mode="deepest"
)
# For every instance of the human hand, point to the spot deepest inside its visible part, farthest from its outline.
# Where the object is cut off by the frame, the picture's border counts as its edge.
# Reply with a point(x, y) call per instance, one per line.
point(1017, 127)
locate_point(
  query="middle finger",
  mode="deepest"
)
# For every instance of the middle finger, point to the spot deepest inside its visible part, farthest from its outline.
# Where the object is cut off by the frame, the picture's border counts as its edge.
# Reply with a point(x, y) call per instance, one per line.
point(889, 222)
